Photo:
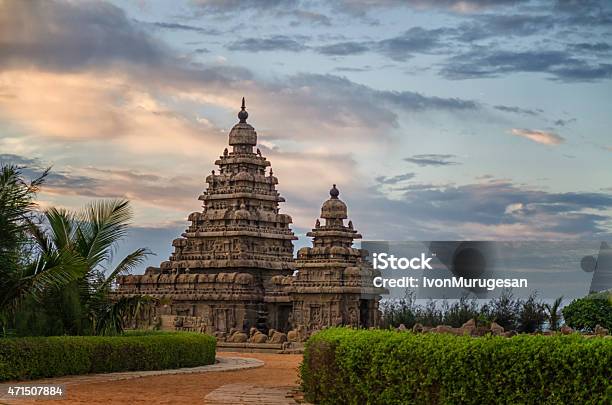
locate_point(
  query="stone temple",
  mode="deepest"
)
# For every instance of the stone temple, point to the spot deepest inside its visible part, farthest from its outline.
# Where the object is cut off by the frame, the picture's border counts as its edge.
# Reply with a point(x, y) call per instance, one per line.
point(233, 269)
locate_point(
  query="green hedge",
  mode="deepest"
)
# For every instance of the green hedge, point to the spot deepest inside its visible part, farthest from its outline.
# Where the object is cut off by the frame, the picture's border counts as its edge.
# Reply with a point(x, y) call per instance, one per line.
point(38, 357)
point(345, 366)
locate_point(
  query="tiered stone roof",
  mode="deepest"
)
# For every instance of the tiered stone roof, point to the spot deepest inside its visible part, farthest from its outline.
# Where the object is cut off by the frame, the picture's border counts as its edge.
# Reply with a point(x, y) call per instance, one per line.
point(332, 264)
point(240, 225)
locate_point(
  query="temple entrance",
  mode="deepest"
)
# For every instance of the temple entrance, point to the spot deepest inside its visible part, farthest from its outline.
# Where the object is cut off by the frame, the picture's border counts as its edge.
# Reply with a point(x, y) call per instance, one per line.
point(284, 312)
point(364, 319)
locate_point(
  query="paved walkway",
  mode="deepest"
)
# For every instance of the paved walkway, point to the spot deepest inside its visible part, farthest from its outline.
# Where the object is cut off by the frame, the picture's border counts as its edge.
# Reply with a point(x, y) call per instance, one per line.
point(250, 394)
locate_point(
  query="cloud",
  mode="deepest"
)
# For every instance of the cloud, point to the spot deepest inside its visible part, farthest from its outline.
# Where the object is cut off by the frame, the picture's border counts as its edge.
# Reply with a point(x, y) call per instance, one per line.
point(432, 159)
point(70, 35)
point(185, 27)
point(344, 48)
point(518, 110)
point(309, 106)
point(561, 122)
point(485, 26)
point(351, 7)
point(543, 137)
point(592, 47)
point(273, 43)
point(399, 48)
point(395, 179)
point(361, 7)
point(234, 6)
point(414, 40)
point(73, 37)
point(562, 66)
point(306, 17)
point(353, 69)
point(496, 209)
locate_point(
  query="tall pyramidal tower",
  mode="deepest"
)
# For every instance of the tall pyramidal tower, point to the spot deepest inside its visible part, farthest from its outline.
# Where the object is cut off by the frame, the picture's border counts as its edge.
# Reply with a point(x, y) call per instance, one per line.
point(240, 226)
point(219, 275)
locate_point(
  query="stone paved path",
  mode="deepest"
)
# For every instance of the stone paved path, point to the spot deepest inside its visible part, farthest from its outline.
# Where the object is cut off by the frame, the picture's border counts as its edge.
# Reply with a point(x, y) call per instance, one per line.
point(250, 394)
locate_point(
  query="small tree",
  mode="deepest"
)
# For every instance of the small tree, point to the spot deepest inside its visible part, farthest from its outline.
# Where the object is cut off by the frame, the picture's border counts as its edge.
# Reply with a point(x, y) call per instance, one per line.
point(504, 310)
point(531, 315)
point(461, 311)
point(396, 312)
point(585, 313)
point(25, 276)
point(553, 314)
point(93, 235)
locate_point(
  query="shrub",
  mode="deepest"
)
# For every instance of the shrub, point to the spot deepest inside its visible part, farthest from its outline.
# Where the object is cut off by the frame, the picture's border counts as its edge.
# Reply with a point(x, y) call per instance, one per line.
point(531, 316)
point(460, 311)
point(345, 366)
point(396, 312)
point(504, 310)
point(39, 357)
point(585, 313)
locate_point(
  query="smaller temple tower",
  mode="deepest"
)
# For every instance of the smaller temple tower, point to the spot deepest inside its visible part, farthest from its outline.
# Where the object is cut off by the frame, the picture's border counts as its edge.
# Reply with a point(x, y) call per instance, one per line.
point(334, 286)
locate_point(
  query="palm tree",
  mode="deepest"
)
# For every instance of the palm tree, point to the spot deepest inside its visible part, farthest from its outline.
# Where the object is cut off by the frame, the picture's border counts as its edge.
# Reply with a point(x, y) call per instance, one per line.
point(553, 313)
point(22, 274)
point(93, 235)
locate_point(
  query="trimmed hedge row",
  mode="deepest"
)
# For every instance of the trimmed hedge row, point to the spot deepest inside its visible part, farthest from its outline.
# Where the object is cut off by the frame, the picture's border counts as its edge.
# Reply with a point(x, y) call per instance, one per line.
point(345, 366)
point(38, 357)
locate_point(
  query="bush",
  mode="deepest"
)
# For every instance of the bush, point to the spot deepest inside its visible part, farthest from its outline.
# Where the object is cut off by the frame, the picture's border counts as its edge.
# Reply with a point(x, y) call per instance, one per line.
point(39, 357)
point(585, 313)
point(345, 366)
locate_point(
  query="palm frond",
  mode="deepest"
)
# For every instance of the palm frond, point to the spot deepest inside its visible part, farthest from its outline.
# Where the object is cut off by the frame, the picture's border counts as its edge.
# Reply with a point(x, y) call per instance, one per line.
point(129, 263)
point(16, 205)
point(61, 224)
point(113, 316)
point(40, 237)
point(43, 274)
point(102, 225)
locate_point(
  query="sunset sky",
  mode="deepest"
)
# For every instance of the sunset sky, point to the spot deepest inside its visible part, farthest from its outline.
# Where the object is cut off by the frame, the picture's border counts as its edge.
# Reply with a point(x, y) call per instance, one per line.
point(441, 119)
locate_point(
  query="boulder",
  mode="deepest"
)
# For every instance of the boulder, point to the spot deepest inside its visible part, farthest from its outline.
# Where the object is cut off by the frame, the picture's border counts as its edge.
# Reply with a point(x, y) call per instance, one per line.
point(496, 329)
point(469, 326)
point(417, 328)
point(566, 330)
point(444, 329)
point(402, 327)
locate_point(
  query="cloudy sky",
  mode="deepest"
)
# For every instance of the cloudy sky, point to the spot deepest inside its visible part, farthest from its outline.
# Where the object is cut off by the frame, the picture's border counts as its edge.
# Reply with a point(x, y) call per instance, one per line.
point(441, 119)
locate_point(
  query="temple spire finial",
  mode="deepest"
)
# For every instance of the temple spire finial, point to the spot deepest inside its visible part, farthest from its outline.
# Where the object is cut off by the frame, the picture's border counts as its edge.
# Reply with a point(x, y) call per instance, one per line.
point(334, 192)
point(243, 114)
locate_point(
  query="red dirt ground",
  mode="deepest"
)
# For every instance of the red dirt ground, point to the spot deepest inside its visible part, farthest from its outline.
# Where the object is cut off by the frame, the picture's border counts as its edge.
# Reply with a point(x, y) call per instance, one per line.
point(279, 370)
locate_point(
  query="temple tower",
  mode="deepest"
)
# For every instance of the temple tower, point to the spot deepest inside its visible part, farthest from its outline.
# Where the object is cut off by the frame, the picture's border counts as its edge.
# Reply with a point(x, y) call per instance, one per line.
point(222, 265)
point(334, 281)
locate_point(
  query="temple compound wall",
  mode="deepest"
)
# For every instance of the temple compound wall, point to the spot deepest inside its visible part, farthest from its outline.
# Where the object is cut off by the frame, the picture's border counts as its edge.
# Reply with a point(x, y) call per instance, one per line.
point(233, 273)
